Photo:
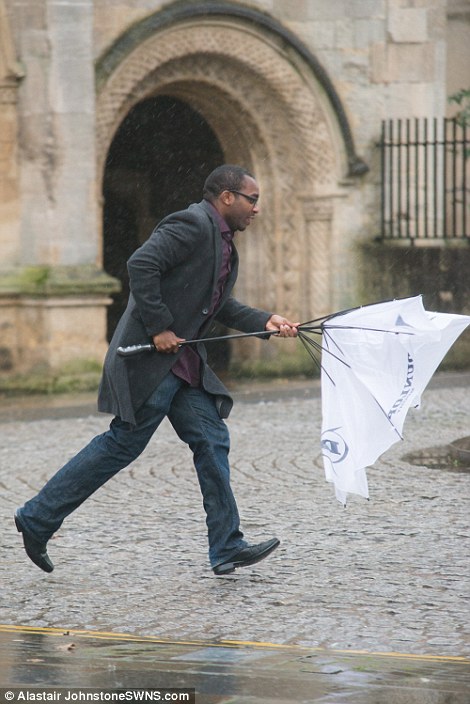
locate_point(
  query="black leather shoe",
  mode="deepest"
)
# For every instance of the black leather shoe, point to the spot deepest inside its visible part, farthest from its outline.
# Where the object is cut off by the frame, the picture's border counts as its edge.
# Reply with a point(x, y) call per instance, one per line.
point(36, 551)
point(247, 556)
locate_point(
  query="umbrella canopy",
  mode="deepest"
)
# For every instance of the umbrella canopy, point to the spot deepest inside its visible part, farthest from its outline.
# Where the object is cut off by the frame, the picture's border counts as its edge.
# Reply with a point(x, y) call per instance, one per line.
point(376, 362)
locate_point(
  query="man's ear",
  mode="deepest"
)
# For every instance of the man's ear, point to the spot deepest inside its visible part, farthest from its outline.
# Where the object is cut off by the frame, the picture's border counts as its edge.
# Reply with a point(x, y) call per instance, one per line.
point(227, 197)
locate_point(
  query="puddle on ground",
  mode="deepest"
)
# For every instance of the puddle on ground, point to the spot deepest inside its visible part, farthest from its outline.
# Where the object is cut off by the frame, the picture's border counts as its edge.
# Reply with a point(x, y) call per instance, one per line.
point(454, 457)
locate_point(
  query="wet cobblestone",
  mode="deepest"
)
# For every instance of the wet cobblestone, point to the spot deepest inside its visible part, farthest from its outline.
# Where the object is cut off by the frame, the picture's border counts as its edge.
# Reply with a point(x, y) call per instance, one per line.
point(391, 574)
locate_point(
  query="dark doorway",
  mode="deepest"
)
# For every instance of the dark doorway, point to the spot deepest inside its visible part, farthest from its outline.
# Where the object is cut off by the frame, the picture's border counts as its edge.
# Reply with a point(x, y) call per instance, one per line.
point(157, 164)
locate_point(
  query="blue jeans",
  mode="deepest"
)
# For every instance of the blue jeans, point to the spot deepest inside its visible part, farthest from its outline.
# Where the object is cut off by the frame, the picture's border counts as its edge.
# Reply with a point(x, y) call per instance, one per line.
point(194, 417)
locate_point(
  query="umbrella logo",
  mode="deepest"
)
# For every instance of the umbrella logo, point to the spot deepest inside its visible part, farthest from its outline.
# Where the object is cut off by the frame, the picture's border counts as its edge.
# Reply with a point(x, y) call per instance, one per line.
point(407, 388)
point(334, 446)
point(401, 322)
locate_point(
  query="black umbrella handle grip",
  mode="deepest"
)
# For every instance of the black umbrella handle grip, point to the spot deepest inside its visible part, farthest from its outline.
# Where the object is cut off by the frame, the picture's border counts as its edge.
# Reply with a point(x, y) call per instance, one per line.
point(135, 349)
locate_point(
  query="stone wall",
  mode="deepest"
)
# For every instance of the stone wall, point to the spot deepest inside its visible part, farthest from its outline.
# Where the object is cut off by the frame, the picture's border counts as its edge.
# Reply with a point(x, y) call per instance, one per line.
point(11, 74)
point(386, 59)
point(296, 90)
point(439, 274)
point(53, 293)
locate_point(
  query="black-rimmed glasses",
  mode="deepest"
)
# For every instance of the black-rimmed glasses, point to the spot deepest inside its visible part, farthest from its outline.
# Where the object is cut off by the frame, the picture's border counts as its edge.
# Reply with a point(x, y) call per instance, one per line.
point(251, 199)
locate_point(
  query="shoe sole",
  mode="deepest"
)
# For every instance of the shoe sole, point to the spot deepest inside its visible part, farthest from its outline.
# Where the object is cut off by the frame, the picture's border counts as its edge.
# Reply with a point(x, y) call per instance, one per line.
point(229, 567)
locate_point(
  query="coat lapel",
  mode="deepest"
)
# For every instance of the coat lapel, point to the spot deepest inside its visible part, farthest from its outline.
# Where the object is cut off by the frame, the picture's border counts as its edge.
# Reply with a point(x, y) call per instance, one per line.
point(217, 248)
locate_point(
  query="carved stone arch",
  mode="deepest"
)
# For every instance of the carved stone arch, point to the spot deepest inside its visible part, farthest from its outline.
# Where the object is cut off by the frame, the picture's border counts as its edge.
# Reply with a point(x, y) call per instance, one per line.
point(268, 112)
point(286, 41)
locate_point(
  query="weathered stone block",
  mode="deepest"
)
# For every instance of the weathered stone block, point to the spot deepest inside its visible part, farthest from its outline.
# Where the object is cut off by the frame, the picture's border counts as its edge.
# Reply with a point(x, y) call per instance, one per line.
point(403, 63)
point(408, 25)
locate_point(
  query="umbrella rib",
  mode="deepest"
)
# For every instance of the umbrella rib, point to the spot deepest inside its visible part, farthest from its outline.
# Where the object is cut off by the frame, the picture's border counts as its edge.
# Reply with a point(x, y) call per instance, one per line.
point(327, 337)
point(351, 310)
point(361, 327)
point(386, 415)
point(315, 320)
point(320, 348)
point(311, 345)
point(308, 346)
point(318, 329)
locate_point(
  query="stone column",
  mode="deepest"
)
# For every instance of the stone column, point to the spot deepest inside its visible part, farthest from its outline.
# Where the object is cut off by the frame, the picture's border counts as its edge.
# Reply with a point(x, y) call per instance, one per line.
point(318, 214)
point(10, 77)
point(53, 292)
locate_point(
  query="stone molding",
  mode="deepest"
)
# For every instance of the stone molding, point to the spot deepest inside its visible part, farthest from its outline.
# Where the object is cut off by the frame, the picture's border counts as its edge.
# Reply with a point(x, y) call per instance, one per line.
point(251, 19)
point(320, 208)
point(47, 282)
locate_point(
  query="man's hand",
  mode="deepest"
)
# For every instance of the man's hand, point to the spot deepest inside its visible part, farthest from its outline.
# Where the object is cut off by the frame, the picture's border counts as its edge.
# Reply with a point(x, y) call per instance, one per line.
point(167, 342)
point(279, 324)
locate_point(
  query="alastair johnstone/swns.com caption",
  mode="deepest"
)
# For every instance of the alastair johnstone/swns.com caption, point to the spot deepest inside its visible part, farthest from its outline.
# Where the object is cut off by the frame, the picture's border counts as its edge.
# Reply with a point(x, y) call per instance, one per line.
point(62, 694)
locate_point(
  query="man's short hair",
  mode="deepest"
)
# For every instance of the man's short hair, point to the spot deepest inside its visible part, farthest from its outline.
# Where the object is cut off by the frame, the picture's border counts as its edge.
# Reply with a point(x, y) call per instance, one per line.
point(224, 178)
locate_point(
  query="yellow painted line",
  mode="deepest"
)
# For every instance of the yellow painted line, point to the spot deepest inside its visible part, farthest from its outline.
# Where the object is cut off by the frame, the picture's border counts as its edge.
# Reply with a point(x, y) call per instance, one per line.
point(111, 635)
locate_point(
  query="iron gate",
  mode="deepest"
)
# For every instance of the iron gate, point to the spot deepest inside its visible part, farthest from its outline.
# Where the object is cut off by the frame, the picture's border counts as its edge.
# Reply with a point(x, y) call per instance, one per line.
point(425, 180)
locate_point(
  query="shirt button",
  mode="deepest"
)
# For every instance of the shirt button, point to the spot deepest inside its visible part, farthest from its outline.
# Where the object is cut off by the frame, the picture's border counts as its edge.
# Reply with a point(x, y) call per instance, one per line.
point(205, 311)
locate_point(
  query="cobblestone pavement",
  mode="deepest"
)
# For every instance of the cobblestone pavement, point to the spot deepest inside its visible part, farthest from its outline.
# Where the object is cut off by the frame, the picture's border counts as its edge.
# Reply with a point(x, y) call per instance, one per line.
point(391, 574)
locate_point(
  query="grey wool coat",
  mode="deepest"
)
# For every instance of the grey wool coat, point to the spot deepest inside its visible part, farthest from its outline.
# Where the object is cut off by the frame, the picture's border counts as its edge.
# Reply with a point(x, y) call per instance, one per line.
point(173, 276)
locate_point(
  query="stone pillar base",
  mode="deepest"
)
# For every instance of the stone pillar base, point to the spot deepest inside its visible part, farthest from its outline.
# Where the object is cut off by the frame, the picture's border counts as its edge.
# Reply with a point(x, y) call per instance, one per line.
point(53, 317)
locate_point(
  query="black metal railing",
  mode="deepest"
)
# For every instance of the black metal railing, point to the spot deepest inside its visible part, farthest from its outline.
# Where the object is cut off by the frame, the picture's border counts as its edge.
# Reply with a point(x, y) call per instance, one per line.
point(425, 178)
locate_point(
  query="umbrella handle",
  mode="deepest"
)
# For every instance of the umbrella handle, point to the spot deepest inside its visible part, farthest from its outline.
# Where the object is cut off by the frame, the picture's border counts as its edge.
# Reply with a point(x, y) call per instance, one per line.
point(135, 349)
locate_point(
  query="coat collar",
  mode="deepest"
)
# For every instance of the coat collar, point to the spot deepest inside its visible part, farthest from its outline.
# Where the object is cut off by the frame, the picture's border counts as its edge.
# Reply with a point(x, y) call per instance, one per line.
point(221, 222)
point(209, 209)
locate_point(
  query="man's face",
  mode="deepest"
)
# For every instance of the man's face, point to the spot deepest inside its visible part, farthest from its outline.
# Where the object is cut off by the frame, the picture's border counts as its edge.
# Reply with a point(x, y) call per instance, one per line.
point(241, 207)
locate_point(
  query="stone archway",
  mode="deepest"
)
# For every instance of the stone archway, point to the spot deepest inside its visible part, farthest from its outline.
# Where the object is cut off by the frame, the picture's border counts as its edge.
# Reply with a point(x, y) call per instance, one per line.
point(269, 112)
point(157, 163)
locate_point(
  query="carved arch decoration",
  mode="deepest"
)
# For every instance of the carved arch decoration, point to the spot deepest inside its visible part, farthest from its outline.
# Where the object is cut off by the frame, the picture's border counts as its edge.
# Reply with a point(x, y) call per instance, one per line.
point(180, 11)
point(271, 107)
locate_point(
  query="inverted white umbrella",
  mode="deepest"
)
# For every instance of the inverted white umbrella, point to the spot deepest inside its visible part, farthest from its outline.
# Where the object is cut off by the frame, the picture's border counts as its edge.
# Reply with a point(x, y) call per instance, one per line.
point(376, 362)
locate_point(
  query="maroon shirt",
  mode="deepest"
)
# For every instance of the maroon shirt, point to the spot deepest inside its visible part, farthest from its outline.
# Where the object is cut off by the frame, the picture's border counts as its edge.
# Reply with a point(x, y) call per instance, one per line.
point(188, 364)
